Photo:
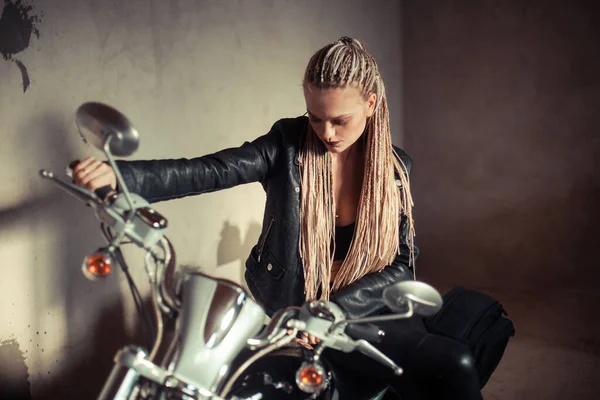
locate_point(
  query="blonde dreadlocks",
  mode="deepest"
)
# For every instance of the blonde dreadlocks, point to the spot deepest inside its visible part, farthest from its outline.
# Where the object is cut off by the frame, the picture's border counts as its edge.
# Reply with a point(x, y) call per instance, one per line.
point(377, 231)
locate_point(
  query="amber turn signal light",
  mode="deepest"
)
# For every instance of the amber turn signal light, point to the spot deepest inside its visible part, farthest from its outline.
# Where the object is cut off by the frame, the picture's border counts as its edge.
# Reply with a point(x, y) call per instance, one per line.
point(97, 265)
point(310, 377)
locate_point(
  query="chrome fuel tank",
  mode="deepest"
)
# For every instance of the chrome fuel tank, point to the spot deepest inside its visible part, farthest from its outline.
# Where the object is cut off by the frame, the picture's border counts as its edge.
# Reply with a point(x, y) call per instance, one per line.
point(217, 318)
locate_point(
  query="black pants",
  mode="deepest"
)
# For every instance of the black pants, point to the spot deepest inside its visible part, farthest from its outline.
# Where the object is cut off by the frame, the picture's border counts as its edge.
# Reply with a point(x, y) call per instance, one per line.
point(434, 367)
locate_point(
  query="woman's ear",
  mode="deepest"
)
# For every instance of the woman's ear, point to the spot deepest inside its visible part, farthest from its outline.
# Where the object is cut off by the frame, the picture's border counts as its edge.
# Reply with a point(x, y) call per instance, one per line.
point(371, 102)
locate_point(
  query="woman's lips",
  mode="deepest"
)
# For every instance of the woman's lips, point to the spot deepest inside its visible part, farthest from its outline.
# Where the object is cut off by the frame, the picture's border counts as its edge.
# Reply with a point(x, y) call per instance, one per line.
point(333, 144)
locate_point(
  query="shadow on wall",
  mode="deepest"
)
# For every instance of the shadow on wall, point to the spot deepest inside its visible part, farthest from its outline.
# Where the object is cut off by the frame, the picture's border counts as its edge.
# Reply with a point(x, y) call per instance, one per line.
point(93, 329)
point(233, 247)
point(92, 313)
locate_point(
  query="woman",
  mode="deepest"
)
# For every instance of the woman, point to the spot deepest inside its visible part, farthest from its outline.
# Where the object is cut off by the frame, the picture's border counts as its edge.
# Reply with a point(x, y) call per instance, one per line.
point(337, 223)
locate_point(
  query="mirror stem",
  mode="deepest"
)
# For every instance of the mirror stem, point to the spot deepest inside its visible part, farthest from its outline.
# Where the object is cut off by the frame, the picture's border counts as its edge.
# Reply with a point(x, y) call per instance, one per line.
point(120, 179)
point(379, 318)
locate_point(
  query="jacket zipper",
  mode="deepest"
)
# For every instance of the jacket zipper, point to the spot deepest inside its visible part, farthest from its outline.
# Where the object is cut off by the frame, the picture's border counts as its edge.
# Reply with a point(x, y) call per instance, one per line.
point(264, 240)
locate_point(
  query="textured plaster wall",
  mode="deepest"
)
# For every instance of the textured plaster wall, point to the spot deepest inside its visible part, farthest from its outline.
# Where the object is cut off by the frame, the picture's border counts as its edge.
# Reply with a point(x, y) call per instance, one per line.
point(501, 117)
point(194, 77)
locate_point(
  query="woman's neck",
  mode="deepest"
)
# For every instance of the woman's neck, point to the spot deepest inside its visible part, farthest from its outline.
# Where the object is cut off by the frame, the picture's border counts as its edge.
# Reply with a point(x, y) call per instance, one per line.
point(352, 154)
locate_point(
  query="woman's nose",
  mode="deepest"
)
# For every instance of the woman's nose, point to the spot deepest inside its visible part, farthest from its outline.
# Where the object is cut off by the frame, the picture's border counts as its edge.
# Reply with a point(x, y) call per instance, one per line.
point(328, 132)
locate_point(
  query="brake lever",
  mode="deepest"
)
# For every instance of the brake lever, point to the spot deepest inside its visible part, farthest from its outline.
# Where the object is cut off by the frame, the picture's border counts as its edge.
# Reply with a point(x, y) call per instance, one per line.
point(371, 351)
point(330, 332)
point(104, 213)
point(77, 191)
point(142, 224)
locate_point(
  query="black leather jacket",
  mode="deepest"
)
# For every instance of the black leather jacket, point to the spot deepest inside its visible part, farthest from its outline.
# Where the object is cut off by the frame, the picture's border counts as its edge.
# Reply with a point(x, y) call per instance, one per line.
point(274, 270)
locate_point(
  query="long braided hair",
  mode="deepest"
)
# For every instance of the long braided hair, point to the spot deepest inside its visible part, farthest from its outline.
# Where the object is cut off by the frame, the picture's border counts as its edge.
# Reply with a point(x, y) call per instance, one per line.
point(376, 234)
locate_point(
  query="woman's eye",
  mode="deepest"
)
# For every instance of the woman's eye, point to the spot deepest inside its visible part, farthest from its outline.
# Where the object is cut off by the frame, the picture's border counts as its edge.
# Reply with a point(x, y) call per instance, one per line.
point(315, 120)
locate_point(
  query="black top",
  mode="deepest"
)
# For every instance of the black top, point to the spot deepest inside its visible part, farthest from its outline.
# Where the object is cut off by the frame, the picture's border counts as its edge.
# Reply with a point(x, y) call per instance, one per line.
point(343, 237)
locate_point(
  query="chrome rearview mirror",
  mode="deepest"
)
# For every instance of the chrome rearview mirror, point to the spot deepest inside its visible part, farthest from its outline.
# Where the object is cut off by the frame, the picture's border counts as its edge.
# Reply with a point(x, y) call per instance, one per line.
point(405, 299)
point(101, 124)
point(425, 300)
point(110, 131)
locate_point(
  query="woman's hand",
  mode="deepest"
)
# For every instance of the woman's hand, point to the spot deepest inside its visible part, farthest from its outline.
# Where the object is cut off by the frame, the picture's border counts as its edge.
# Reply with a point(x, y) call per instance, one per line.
point(307, 340)
point(93, 174)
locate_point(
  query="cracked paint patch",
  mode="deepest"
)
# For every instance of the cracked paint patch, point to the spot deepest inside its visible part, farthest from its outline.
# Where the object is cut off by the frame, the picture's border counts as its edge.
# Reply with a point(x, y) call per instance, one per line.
point(17, 24)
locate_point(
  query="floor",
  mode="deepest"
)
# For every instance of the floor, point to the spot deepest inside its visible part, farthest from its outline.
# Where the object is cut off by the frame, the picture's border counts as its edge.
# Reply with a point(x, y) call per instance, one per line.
point(555, 353)
point(533, 371)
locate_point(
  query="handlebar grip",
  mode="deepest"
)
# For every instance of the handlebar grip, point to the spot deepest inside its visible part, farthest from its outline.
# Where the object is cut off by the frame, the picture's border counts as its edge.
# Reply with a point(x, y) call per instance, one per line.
point(103, 191)
point(369, 332)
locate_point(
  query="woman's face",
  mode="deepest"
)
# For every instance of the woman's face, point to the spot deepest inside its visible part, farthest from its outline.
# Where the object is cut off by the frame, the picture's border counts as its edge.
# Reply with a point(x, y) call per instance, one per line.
point(338, 116)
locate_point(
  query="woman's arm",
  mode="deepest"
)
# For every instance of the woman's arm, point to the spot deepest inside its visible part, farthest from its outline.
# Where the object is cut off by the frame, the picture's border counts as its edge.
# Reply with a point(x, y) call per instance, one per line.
point(157, 180)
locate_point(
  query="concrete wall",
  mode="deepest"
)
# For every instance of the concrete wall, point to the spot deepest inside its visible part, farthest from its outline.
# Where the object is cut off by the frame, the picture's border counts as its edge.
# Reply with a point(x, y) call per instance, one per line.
point(194, 77)
point(501, 117)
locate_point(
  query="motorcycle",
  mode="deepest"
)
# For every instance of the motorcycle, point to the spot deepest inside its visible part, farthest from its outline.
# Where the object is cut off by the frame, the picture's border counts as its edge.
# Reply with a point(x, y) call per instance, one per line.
point(209, 340)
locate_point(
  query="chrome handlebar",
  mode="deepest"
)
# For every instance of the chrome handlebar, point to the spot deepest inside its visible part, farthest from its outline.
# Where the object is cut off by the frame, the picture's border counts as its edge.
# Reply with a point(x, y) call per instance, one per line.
point(130, 217)
point(325, 321)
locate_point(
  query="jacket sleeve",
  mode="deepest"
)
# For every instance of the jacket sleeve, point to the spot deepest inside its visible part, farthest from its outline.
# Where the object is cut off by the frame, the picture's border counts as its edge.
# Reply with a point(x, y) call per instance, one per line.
point(158, 180)
point(364, 297)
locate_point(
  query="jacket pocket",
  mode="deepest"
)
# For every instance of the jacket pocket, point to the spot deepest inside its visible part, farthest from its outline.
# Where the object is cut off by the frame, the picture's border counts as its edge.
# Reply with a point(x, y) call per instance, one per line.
point(265, 276)
point(265, 279)
point(272, 267)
